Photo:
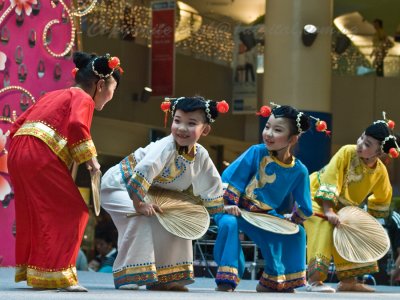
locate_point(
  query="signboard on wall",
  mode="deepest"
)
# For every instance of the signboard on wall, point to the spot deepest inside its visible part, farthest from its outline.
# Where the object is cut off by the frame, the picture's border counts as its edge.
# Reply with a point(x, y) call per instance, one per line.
point(163, 48)
point(245, 69)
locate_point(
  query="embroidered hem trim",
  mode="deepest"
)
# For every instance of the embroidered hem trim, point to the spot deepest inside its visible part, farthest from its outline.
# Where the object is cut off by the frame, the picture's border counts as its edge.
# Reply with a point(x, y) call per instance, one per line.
point(232, 195)
point(227, 275)
point(46, 278)
point(325, 195)
point(254, 205)
point(378, 213)
point(213, 203)
point(215, 210)
point(177, 276)
point(149, 274)
point(139, 275)
point(319, 264)
point(135, 182)
point(283, 282)
point(350, 273)
point(83, 151)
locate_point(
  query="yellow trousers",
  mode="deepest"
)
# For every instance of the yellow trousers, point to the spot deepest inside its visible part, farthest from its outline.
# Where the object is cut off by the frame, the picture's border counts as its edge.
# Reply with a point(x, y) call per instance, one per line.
point(321, 250)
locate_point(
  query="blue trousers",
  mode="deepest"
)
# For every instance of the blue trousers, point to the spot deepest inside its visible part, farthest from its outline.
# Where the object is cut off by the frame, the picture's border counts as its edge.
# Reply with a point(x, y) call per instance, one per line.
point(284, 255)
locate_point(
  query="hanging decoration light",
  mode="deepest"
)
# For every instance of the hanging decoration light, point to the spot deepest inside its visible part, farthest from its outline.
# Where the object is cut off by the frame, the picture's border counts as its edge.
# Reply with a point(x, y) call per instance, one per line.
point(195, 35)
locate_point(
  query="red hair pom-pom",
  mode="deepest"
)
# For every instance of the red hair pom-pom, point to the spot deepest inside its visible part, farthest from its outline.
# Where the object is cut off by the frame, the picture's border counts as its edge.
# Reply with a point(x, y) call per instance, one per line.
point(222, 107)
point(393, 153)
point(321, 126)
point(113, 62)
point(74, 71)
point(165, 106)
point(391, 124)
point(265, 111)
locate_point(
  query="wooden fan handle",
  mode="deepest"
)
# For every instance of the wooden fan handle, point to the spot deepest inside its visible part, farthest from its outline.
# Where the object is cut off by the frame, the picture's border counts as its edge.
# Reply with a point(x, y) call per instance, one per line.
point(131, 215)
point(320, 215)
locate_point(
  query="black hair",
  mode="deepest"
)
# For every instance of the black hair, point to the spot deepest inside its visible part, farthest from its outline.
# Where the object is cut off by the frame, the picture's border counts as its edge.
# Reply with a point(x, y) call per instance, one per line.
point(105, 235)
point(288, 112)
point(380, 131)
point(85, 75)
point(379, 22)
point(188, 104)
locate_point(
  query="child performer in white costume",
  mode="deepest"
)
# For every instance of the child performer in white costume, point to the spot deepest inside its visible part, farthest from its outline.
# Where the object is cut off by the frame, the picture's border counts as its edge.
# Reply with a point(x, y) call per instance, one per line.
point(147, 253)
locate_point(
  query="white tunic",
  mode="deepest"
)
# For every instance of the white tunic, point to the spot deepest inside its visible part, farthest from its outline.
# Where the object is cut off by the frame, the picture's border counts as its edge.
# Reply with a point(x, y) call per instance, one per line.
point(147, 253)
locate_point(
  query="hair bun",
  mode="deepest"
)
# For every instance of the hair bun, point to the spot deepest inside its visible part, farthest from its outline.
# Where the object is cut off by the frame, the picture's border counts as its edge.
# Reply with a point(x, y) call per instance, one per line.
point(304, 121)
point(82, 59)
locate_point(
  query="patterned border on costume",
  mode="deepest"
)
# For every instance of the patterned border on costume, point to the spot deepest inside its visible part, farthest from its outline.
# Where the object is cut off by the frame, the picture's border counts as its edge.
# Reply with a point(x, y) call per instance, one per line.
point(227, 275)
point(20, 273)
point(378, 213)
point(232, 195)
point(138, 185)
point(283, 282)
point(378, 210)
point(83, 151)
point(172, 172)
point(139, 275)
point(353, 270)
point(56, 142)
point(190, 159)
point(46, 278)
point(253, 205)
point(215, 209)
point(319, 264)
point(134, 182)
point(327, 192)
point(214, 205)
point(176, 273)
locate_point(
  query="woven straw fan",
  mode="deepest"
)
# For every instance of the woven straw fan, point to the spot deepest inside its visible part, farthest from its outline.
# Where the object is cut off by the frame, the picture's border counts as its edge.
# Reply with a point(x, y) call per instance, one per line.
point(180, 216)
point(359, 237)
point(96, 181)
point(270, 223)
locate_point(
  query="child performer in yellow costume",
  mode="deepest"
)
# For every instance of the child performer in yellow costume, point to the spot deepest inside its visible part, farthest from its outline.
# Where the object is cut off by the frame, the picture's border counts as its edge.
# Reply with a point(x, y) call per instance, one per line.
point(353, 174)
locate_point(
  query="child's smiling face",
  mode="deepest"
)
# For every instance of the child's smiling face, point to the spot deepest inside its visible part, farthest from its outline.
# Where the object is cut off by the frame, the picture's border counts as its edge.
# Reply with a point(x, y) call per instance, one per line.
point(188, 127)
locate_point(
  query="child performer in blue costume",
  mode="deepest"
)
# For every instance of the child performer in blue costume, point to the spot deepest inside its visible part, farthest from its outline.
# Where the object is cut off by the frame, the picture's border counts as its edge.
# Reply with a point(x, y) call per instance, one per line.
point(261, 180)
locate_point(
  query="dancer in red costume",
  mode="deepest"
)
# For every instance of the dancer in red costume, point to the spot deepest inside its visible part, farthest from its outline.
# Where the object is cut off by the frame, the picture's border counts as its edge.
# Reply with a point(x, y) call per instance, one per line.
point(51, 214)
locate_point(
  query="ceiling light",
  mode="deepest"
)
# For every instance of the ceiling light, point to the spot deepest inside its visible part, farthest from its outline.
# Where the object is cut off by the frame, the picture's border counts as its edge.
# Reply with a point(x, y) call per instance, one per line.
point(309, 34)
point(146, 93)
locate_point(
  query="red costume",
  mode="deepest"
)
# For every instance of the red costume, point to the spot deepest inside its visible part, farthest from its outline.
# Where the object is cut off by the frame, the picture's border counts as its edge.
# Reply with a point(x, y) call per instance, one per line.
point(51, 214)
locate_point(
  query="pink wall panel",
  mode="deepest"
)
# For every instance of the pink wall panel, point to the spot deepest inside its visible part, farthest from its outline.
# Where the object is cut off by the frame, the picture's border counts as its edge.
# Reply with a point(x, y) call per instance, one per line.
point(32, 55)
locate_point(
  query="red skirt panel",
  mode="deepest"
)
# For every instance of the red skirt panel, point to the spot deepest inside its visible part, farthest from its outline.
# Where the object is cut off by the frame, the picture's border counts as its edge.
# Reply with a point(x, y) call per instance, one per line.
point(51, 215)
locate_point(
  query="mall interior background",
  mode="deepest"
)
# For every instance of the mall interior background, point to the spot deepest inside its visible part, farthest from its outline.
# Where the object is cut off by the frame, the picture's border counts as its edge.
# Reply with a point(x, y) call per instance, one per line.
point(131, 120)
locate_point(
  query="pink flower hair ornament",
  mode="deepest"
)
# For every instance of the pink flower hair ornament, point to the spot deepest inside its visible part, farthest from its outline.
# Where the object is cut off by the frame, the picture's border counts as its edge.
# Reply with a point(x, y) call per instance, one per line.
point(25, 5)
